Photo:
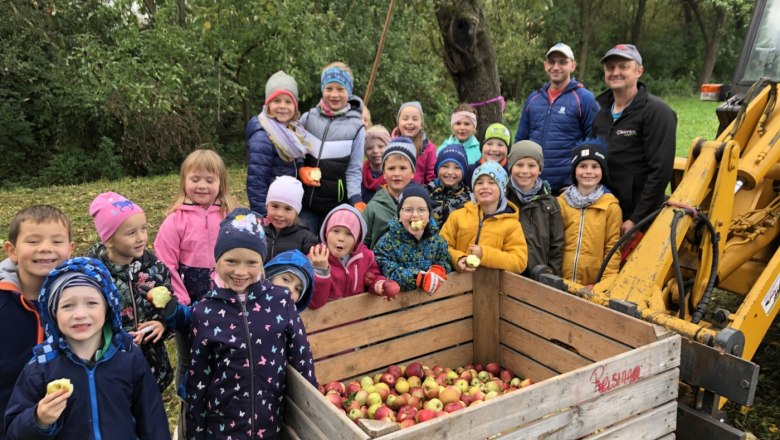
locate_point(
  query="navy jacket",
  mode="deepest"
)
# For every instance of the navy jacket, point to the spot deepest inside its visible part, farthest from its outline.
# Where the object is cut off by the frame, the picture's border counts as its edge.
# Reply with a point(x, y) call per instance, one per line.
point(557, 127)
point(116, 398)
point(296, 236)
point(263, 165)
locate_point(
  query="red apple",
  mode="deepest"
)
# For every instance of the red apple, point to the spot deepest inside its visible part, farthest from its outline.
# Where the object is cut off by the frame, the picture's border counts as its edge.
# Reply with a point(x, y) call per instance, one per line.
point(405, 412)
point(417, 392)
point(441, 413)
point(384, 413)
point(353, 387)
point(468, 366)
point(395, 370)
point(424, 415)
point(466, 399)
point(335, 386)
point(383, 391)
point(414, 402)
point(506, 375)
point(407, 423)
point(335, 398)
point(414, 369)
point(493, 385)
point(437, 369)
point(479, 395)
point(442, 378)
point(372, 410)
point(493, 368)
point(478, 367)
point(430, 388)
point(466, 375)
point(454, 406)
point(321, 389)
point(476, 402)
point(389, 379)
point(391, 289)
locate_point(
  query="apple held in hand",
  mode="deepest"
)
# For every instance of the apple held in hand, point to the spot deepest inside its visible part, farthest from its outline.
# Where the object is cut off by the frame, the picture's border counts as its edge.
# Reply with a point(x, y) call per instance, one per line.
point(159, 296)
point(315, 174)
point(56, 385)
point(472, 261)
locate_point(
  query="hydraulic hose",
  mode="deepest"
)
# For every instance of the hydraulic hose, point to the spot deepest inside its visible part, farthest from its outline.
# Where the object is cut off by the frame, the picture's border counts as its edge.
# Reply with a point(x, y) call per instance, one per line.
point(678, 214)
point(701, 308)
point(622, 240)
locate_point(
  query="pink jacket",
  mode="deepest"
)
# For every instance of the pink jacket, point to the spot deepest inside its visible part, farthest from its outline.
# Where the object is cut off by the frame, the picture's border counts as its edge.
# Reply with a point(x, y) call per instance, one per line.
point(424, 170)
point(187, 236)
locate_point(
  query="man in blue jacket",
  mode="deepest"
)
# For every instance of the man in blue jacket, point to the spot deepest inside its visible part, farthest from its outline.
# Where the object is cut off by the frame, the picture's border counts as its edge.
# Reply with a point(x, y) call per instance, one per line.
point(557, 116)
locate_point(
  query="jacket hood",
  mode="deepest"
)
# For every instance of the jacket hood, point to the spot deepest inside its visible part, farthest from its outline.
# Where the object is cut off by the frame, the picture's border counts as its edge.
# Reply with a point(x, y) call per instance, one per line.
point(9, 275)
point(294, 258)
point(363, 225)
point(92, 268)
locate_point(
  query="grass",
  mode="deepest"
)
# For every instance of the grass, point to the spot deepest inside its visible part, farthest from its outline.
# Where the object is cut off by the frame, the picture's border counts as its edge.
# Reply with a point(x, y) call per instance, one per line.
point(154, 194)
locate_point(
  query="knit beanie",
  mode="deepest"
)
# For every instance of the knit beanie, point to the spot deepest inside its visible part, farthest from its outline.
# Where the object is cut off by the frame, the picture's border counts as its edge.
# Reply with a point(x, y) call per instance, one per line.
point(415, 104)
point(109, 210)
point(287, 190)
point(403, 146)
point(454, 153)
point(496, 131)
point(281, 83)
point(242, 228)
point(414, 190)
point(64, 281)
point(377, 132)
point(346, 218)
point(336, 75)
point(593, 149)
point(523, 149)
point(495, 171)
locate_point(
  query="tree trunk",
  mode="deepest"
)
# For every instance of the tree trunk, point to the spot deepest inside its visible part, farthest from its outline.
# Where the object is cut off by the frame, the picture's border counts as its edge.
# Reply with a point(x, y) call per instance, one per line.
point(712, 44)
point(470, 58)
point(181, 8)
point(636, 30)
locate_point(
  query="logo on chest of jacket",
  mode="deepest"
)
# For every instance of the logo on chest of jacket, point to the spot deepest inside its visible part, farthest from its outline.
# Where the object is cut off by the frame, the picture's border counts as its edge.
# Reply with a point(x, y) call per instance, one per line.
point(629, 132)
point(561, 110)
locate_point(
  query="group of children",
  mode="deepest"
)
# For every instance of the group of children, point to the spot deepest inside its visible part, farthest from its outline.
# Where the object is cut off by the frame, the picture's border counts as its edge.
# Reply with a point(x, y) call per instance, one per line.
point(400, 221)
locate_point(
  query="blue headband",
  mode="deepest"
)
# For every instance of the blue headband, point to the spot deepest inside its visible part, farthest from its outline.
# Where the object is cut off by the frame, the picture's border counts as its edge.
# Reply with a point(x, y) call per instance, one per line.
point(336, 75)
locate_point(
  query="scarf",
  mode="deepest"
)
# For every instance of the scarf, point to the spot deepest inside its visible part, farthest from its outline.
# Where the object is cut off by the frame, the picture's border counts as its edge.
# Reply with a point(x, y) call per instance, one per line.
point(289, 139)
point(529, 197)
point(370, 182)
point(325, 110)
point(576, 200)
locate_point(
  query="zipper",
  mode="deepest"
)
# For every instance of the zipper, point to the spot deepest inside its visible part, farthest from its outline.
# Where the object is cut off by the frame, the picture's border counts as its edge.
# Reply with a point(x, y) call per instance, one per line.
point(579, 243)
point(245, 316)
point(319, 154)
point(132, 298)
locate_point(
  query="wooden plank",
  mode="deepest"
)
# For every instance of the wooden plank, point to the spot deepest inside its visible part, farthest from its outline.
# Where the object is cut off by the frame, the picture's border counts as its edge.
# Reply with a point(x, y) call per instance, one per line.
point(366, 305)
point(460, 355)
point(524, 366)
point(646, 426)
point(543, 351)
point(321, 413)
point(671, 436)
point(528, 404)
point(376, 428)
point(630, 331)
point(359, 362)
point(486, 303)
point(392, 325)
point(604, 411)
point(298, 424)
point(587, 343)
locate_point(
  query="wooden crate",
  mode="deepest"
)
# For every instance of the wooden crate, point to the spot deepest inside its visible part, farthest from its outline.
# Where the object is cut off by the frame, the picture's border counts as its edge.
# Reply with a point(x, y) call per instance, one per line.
point(598, 373)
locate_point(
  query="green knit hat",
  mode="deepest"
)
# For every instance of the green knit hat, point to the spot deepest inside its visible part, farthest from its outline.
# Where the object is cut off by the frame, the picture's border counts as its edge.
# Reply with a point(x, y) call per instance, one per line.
point(497, 131)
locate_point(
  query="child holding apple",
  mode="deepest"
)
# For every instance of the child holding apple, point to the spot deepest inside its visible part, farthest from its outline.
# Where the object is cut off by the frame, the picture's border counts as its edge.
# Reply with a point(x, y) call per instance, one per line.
point(487, 232)
point(343, 265)
point(449, 192)
point(412, 252)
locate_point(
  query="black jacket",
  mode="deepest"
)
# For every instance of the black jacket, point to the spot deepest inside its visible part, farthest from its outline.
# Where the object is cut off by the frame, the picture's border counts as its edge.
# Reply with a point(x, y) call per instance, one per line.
point(640, 151)
point(543, 229)
point(295, 236)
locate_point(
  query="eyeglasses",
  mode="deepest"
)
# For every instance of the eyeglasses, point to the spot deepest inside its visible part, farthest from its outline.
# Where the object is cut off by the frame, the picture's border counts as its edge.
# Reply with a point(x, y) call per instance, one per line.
point(410, 211)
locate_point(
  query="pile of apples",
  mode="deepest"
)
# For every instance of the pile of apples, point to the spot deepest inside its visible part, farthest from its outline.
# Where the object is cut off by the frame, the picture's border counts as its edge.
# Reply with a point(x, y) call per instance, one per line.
point(415, 393)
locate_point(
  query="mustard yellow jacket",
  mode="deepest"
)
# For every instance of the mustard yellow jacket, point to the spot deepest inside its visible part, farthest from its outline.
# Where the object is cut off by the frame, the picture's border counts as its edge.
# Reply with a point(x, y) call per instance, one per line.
point(589, 234)
point(500, 237)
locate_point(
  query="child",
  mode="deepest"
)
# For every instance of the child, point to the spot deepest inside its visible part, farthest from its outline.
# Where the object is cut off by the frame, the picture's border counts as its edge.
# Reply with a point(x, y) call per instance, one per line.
point(449, 192)
point(464, 123)
point(494, 149)
point(113, 393)
point(121, 225)
point(342, 263)
point(337, 151)
point(398, 163)
point(411, 252)
point(591, 216)
point(540, 213)
point(244, 334)
point(489, 228)
point(410, 123)
point(283, 230)
point(38, 240)
point(366, 116)
point(293, 270)
point(377, 139)
point(276, 140)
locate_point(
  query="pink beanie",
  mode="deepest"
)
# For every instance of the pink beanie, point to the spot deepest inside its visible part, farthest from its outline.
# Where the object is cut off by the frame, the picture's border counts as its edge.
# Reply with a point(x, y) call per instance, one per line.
point(287, 190)
point(347, 219)
point(109, 210)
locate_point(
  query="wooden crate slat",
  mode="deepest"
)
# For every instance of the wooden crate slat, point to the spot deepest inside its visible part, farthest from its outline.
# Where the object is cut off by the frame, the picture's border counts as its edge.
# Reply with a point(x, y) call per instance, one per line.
point(388, 326)
point(320, 412)
point(604, 411)
point(356, 363)
point(647, 426)
point(632, 332)
point(452, 357)
point(589, 344)
point(524, 366)
point(299, 425)
point(486, 313)
point(367, 305)
point(553, 395)
point(553, 356)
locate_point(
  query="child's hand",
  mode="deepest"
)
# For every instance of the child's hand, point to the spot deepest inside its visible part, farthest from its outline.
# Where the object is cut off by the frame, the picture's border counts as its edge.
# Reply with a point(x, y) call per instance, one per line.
point(475, 250)
point(462, 267)
point(379, 287)
point(142, 336)
point(319, 256)
point(51, 407)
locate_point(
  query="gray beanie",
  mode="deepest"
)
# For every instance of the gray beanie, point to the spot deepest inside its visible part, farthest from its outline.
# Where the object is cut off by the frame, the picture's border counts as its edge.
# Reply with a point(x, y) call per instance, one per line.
point(525, 149)
point(280, 83)
point(415, 104)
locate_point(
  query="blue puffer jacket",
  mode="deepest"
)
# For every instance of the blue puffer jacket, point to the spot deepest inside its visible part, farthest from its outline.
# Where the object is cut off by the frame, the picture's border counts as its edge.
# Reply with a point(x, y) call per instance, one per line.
point(114, 397)
point(557, 127)
point(264, 165)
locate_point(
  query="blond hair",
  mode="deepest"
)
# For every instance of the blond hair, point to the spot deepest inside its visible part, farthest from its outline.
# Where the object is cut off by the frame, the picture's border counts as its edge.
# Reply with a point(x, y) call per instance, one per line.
point(210, 162)
point(340, 65)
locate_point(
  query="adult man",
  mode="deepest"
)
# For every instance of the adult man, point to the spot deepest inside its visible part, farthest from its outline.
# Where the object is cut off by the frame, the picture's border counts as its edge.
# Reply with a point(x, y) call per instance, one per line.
point(639, 129)
point(558, 115)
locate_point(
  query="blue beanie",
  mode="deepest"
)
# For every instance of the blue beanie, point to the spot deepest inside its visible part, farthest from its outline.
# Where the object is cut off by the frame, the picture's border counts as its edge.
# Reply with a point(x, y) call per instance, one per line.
point(414, 189)
point(455, 153)
point(242, 228)
point(336, 75)
point(495, 171)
